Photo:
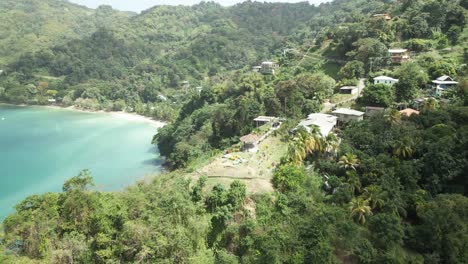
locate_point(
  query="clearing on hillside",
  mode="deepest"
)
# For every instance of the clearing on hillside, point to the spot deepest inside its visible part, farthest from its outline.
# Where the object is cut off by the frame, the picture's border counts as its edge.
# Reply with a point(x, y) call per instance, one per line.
point(253, 169)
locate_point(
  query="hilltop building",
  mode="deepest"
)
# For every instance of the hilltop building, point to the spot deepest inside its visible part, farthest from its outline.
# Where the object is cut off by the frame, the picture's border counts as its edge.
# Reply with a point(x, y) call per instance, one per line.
point(442, 83)
point(267, 67)
point(256, 68)
point(349, 90)
point(346, 115)
point(249, 141)
point(385, 80)
point(261, 120)
point(324, 122)
point(399, 55)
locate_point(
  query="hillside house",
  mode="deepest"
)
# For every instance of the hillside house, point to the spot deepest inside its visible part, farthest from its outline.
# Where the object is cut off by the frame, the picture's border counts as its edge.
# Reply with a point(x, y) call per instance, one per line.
point(249, 141)
point(324, 122)
point(385, 80)
point(442, 83)
point(349, 90)
point(261, 120)
point(399, 55)
point(346, 115)
point(269, 67)
point(256, 68)
point(383, 16)
point(373, 111)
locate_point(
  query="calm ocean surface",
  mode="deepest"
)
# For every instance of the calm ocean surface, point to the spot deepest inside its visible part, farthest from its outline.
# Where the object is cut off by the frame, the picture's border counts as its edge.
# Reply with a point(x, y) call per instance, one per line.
point(40, 148)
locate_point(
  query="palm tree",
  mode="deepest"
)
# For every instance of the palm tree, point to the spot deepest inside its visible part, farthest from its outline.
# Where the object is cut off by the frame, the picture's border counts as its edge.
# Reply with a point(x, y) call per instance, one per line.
point(372, 193)
point(430, 104)
point(392, 116)
point(353, 181)
point(296, 151)
point(313, 140)
point(331, 143)
point(349, 161)
point(305, 139)
point(303, 144)
point(403, 148)
point(359, 209)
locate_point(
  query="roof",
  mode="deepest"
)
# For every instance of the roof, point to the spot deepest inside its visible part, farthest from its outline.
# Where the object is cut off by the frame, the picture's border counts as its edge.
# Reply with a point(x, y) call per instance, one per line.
point(347, 111)
point(250, 138)
point(268, 62)
point(420, 100)
point(374, 108)
point(385, 78)
point(444, 78)
point(397, 50)
point(444, 82)
point(324, 122)
point(348, 88)
point(265, 118)
point(409, 112)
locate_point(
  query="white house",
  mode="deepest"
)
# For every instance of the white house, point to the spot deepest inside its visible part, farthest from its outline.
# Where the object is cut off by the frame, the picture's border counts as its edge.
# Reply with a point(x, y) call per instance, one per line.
point(385, 80)
point(261, 120)
point(346, 115)
point(349, 90)
point(442, 83)
point(256, 68)
point(324, 122)
point(269, 67)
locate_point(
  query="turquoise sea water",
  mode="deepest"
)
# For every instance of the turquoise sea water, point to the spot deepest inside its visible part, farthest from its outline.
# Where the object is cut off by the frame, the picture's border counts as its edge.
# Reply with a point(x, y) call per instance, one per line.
point(40, 148)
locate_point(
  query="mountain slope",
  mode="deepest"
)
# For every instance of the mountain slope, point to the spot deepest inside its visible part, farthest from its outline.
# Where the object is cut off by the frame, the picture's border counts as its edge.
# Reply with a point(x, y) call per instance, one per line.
point(29, 26)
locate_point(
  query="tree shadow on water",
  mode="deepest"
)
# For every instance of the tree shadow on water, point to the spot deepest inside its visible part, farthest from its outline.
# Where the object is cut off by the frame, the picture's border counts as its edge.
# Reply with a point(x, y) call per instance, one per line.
point(153, 150)
point(154, 162)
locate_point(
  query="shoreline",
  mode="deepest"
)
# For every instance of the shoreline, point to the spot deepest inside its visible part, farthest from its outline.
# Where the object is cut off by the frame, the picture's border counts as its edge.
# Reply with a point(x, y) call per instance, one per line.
point(115, 114)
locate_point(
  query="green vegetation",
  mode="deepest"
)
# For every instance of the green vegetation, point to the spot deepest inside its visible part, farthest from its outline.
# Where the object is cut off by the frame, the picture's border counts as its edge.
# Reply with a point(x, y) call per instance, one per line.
point(390, 189)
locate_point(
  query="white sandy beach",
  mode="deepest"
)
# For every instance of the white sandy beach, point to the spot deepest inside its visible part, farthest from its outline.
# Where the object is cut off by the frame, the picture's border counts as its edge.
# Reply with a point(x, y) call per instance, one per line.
point(120, 115)
point(136, 117)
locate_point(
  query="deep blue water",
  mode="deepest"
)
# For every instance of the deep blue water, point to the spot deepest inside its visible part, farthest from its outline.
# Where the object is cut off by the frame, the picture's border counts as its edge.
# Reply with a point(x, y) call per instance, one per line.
point(40, 148)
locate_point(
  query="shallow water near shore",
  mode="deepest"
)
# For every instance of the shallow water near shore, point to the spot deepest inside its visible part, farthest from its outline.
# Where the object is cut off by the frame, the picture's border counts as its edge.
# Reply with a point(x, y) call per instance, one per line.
point(40, 148)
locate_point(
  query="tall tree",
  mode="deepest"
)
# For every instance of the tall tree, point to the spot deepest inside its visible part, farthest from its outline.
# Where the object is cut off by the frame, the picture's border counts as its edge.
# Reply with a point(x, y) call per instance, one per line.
point(411, 78)
point(360, 209)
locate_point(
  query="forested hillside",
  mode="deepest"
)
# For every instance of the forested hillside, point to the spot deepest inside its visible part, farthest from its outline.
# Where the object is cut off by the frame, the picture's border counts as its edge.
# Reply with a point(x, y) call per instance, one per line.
point(29, 26)
point(387, 189)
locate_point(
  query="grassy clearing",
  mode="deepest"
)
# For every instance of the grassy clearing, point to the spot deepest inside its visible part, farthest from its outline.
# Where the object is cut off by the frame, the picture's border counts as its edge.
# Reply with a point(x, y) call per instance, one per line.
point(255, 170)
